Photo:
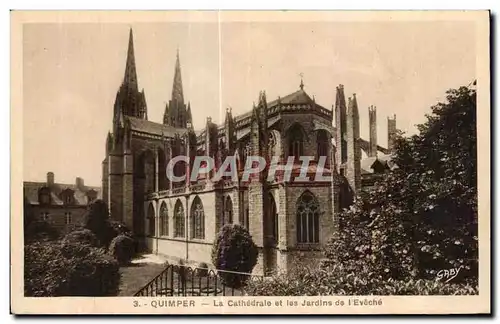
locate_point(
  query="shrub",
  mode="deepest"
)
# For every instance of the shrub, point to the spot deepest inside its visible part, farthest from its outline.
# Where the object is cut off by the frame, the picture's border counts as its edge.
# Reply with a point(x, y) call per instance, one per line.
point(202, 270)
point(122, 249)
point(82, 236)
point(53, 269)
point(97, 220)
point(119, 228)
point(335, 280)
point(40, 231)
point(234, 250)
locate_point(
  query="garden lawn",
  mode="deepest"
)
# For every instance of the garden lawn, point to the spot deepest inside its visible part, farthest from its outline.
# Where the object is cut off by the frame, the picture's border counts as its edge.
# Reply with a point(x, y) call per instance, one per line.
point(137, 275)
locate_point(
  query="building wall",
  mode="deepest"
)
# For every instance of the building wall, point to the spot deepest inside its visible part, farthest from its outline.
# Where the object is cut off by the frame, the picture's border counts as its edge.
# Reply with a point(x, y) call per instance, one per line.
point(57, 215)
point(186, 248)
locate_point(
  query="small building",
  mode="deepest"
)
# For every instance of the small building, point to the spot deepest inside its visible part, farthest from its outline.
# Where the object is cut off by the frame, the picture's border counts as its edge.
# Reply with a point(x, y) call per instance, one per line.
point(62, 205)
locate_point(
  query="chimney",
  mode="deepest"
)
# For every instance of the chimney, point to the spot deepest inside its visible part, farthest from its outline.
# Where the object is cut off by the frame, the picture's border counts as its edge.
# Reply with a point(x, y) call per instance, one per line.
point(372, 114)
point(50, 179)
point(79, 183)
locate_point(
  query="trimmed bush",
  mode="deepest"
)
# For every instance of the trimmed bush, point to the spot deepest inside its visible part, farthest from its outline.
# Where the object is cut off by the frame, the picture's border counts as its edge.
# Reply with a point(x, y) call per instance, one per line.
point(72, 269)
point(82, 236)
point(97, 220)
point(234, 250)
point(122, 249)
point(335, 280)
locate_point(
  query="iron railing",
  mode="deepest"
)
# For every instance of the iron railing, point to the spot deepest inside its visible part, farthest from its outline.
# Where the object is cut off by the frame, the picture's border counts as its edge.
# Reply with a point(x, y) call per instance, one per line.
point(182, 280)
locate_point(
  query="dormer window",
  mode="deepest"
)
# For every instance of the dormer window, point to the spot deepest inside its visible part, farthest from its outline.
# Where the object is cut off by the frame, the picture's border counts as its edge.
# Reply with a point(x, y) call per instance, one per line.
point(68, 197)
point(44, 196)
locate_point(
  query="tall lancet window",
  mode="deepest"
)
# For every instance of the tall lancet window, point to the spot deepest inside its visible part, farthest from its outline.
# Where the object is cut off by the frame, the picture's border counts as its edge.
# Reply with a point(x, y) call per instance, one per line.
point(307, 219)
point(163, 219)
point(179, 220)
point(322, 140)
point(296, 141)
point(151, 221)
point(197, 216)
point(228, 211)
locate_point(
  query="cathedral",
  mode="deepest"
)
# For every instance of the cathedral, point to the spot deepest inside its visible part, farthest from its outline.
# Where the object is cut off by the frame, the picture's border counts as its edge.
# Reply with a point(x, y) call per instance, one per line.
point(289, 220)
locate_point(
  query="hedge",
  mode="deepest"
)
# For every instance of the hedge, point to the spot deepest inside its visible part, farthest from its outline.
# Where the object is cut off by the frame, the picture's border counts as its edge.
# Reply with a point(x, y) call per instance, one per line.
point(334, 280)
point(53, 269)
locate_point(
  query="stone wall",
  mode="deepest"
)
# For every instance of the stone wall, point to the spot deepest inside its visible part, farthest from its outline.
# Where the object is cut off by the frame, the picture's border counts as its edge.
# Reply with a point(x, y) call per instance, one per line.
point(57, 215)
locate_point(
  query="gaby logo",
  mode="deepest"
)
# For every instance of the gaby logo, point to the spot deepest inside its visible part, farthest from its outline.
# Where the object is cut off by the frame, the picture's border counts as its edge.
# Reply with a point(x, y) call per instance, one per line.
point(448, 274)
point(303, 169)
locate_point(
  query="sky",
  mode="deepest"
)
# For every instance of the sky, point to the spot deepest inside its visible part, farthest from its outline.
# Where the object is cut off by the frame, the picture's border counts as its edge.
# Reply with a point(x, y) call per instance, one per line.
point(71, 73)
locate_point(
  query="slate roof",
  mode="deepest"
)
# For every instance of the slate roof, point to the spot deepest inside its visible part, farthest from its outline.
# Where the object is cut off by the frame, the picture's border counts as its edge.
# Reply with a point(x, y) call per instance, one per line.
point(149, 127)
point(365, 146)
point(299, 97)
point(31, 190)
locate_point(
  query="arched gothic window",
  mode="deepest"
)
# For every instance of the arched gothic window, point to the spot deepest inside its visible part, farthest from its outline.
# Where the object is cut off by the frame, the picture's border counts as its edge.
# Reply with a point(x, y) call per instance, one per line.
point(323, 143)
point(163, 219)
point(295, 141)
point(179, 220)
point(197, 216)
point(151, 221)
point(273, 218)
point(307, 219)
point(228, 211)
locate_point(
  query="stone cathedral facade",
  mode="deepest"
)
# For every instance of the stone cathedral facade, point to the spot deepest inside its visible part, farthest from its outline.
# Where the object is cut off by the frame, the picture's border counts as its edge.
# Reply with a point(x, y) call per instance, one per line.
point(289, 220)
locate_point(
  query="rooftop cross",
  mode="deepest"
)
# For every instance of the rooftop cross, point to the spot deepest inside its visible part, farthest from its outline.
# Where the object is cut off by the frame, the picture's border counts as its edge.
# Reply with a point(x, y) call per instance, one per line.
point(301, 81)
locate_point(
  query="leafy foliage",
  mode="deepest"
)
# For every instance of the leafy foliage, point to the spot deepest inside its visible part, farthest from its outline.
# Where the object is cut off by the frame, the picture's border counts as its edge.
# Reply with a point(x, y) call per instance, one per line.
point(118, 228)
point(122, 249)
point(39, 230)
point(97, 220)
point(234, 250)
point(338, 280)
point(70, 269)
point(27, 213)
point(82, 236)
point(421, 217)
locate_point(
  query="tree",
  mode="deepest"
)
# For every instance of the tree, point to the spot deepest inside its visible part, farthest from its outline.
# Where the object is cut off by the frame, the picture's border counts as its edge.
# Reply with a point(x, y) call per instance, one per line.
point(422, 217)
point(234, 250)
point(97, 220)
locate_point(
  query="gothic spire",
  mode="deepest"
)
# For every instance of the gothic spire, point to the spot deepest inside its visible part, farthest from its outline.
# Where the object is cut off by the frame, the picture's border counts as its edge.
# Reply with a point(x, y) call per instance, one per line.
point(166, 115)
point(177, 93)
point(189, 117)
point(130, 78)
